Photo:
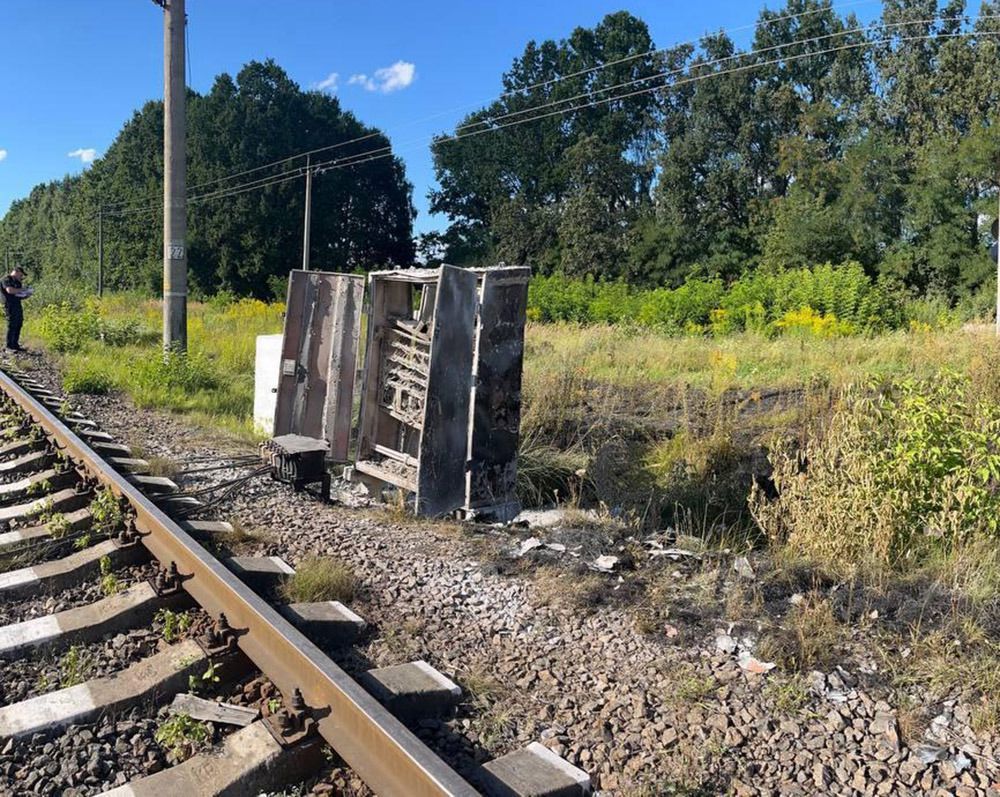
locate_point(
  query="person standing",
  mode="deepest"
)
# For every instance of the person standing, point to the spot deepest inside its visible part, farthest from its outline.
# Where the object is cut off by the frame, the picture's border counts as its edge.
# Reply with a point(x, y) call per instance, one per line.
point(13, 292)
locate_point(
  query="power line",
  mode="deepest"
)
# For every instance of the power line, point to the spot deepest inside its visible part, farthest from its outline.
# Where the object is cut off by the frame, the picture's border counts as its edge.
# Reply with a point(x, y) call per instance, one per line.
point(542, 84)
point(726, 59)
point(376, 154)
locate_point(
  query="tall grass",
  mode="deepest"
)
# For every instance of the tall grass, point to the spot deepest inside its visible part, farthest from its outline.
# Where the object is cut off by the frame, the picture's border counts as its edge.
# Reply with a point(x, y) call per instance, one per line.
point(115, 341)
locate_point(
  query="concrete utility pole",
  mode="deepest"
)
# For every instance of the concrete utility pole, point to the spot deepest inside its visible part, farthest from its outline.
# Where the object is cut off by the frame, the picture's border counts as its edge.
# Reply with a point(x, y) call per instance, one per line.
point(100, 251)
point(174, 177)
point(308, 219)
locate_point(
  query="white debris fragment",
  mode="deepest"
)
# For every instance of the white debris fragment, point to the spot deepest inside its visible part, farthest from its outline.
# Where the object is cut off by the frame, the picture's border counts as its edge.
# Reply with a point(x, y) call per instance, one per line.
point(675, 553)
point(529, 545)
point(725, 643)
point(750, 663)
point(558, 547)
point(742, 567)
point(929, 753)
point(605, 563)
point(797, 599)
point(961, 762)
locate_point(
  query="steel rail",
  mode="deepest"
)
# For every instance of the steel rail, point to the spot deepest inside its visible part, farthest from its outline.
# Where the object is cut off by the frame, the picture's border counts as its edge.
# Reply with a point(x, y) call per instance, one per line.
point(379, 748)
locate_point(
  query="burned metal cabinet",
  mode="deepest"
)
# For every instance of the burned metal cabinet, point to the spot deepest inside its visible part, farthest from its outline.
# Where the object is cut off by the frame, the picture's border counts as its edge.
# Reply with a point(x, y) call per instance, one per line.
point(441, 392)
point(318, 358)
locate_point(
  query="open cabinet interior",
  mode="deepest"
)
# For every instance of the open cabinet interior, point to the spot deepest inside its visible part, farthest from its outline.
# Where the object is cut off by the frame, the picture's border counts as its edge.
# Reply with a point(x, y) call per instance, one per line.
point(425, 416)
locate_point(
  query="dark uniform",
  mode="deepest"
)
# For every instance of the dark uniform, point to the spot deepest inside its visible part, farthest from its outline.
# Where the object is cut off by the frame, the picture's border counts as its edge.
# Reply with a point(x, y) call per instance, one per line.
point(13, 310)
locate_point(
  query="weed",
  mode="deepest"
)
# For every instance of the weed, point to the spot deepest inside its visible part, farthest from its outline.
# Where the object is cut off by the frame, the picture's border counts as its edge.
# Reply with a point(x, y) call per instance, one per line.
point(197, 683)
point(162, 466)
point(110, 583)
point(175, 624)
point(87, 380)
point(106, 511)
point(809, 638)
point(319, 578)
point(181, 737)
point(58, 526)
point(75, 667)
point(495, 726)
point(83, 541)
point(788, 695)
point(482, 686)
point(691, 686)
point(39, 487)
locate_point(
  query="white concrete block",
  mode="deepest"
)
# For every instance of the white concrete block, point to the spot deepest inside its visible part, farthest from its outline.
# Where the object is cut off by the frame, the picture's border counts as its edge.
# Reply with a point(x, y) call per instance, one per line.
point(267, 365)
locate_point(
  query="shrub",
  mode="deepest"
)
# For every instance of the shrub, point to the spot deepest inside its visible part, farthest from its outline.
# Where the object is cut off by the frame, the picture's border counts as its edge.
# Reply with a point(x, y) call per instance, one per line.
point(901, 474)
point(175, 370)
point(65, 327)
point(843, 299)
point(84, 379)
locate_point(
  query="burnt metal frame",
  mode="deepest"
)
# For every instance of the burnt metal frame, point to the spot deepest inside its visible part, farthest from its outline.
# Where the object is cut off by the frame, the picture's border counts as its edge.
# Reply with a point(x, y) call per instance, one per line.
point(465, 456)
point(378, 747)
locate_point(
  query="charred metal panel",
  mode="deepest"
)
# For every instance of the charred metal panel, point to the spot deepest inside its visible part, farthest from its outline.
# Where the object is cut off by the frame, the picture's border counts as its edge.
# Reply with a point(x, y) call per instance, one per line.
point(445, 439)
point(318, 354)
point(496, 421)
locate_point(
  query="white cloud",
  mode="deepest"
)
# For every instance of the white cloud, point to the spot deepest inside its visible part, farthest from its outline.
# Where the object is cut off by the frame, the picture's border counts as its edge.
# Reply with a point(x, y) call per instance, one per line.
point(3, 154)
point(85, 155)
point(329, 83)
point(387, 79)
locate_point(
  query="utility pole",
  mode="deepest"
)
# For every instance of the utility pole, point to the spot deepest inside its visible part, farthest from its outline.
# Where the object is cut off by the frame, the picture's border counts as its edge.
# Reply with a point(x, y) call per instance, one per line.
point(998, 259)
point(308, 219)
point(100, 251)
point(174, 177)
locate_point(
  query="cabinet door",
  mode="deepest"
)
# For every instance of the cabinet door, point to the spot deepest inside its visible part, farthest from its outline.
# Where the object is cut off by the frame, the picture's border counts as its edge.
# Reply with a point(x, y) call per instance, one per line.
point(318, 358)
point(444, 441)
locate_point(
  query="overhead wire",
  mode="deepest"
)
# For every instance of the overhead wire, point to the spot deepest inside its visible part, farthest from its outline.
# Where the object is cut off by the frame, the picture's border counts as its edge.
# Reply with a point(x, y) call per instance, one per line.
point(531, 87)
point(382, 152)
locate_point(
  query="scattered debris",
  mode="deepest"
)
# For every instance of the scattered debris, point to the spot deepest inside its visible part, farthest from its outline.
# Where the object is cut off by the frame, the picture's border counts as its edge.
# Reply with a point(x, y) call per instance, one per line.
point(605, 564)
point(529, 545)
point(725, 643)
point(961, 762)
point(671, 631)
point(656, 549)
point(742, 567)
point(749, 663)
point(198, 708)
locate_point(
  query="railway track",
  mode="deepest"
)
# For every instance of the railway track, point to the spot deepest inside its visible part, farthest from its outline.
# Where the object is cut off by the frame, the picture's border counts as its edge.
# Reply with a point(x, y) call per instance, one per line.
point(79, 508)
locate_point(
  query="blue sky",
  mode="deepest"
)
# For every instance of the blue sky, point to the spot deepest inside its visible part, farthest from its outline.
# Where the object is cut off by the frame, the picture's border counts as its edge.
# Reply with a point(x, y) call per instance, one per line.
point(71, 73)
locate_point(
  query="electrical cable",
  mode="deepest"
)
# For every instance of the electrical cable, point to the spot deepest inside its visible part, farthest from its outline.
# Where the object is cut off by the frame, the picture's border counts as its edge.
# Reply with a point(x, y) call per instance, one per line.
point(376, 154)
point(542, 84)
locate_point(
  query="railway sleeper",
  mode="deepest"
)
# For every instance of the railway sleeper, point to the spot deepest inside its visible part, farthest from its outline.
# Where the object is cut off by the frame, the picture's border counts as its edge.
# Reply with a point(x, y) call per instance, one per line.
point(412, 691)
point(111, 449)
point(129, 464)
point(46, 480)
point(77, 520)
point(534, 771)
point(328, 623)
point(162, 674)
point(70, 571)
point(248, 761)
point(133, 607)
point(18, 448)
point(152, 485)
point(26, 463)
point(62, 501)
